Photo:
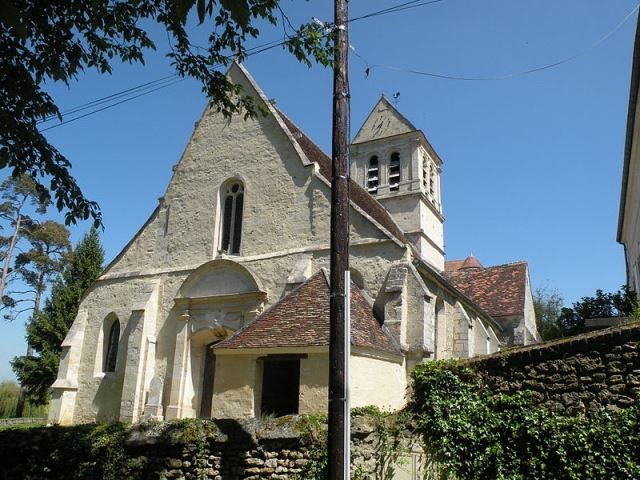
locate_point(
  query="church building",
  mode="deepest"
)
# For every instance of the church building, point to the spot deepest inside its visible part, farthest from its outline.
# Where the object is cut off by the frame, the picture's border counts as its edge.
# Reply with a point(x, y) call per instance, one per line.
point(219, 305)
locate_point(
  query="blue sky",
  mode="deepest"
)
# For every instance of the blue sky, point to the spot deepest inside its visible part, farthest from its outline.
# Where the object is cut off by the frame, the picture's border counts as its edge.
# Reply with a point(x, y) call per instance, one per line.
point(532, 164)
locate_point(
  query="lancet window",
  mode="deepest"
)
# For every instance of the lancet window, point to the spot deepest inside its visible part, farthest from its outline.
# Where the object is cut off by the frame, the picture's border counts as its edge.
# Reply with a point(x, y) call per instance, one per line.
point(111, 354)
point(232, 204)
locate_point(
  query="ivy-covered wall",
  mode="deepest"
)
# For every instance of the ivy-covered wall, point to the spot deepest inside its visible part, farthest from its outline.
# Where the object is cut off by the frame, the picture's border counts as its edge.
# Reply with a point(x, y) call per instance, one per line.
point(581, 374)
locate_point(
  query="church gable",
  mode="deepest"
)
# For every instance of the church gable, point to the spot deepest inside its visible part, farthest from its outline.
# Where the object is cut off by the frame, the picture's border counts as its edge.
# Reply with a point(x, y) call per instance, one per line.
point(188, 227)
point(383, 121)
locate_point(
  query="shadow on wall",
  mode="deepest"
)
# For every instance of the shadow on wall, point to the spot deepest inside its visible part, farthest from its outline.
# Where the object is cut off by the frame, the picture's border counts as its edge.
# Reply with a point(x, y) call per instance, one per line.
point(223, 439)
point(106, 401)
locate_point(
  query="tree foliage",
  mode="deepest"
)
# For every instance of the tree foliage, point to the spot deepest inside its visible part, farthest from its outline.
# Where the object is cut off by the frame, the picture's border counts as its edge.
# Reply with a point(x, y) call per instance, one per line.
point(18, 195)
point(57, 40)
point(547, 304)
point(555, 321)
point(50, 246)
point(48, 329)
point(602, 305)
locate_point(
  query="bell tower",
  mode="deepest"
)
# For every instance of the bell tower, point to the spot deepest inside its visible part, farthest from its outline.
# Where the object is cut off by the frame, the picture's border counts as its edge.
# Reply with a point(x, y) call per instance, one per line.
point(396, 164)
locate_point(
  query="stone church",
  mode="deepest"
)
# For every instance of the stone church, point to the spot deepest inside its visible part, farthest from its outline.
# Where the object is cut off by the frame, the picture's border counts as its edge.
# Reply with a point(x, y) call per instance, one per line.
point(218, 306)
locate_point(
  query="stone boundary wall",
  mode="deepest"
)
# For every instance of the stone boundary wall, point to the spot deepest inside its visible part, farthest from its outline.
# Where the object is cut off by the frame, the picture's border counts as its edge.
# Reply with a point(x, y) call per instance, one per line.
point(21, 420)
point(579, 374)
point(231, 450)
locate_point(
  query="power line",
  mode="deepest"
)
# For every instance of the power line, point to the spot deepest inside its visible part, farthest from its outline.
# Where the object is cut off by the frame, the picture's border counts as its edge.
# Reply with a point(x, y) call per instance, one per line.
point(148, 87)
point(158, 84)
point(112, 105)
point(570, 58)
point(397, 8)
point(100, 101)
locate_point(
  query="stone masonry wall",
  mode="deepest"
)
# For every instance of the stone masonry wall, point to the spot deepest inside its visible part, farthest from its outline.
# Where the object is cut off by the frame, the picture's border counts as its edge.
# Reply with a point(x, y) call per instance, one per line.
point(279, 449)
point(578, 375)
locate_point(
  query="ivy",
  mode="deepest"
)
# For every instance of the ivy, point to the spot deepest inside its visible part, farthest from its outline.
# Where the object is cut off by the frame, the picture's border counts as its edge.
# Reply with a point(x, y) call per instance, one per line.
point(476, 434)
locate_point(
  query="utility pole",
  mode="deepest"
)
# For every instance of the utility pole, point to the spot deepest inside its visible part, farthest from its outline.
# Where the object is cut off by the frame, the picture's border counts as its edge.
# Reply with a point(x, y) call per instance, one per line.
point(338, 465)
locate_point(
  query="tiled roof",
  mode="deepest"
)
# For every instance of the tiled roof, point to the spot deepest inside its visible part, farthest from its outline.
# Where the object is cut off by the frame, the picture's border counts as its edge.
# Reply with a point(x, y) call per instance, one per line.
point(498, 290)
point(359, 195)
point(455, 265)
point(301, 319)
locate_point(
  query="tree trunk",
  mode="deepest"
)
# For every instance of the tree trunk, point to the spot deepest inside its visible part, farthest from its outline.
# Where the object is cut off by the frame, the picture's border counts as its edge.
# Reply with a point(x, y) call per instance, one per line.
point(12, 244)
point(22, 396)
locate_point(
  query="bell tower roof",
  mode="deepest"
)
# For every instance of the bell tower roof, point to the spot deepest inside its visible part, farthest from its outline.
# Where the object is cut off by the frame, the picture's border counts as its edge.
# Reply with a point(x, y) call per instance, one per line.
point(384, 121)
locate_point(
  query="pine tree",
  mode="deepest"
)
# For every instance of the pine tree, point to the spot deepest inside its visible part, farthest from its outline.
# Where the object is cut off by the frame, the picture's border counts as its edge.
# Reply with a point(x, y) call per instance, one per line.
point(47, 330)
point(18, 195)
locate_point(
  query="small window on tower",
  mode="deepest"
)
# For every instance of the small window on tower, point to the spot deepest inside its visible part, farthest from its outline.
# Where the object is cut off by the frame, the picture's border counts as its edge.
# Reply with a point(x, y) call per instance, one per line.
point(373, 177)
point(425, 173)
point(394, 172)
point(432, 183)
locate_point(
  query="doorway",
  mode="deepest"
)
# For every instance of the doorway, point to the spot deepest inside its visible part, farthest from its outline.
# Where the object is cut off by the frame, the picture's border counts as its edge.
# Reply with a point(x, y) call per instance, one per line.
point(208, 378)
point(280, 386)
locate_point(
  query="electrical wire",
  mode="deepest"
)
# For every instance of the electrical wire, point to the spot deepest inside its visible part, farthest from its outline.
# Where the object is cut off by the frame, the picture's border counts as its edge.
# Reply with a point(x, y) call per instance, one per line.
point(112, 105)
point(164, 82)
point(108, 98)
point(397, 8)
point(148, 87)
point(155, 85)
point(513, 74)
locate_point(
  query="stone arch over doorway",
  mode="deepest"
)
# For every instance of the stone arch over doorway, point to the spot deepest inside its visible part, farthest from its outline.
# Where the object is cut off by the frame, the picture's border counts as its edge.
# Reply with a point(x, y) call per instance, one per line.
point(215, 300)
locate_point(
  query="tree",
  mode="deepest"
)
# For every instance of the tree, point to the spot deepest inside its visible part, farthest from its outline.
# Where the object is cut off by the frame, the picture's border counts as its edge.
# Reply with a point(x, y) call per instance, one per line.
point(17, 194)
point(38, 266)
point(603, 305)
point(56, 40)
point(49, 249)
point(47, 331)
point(547, 304)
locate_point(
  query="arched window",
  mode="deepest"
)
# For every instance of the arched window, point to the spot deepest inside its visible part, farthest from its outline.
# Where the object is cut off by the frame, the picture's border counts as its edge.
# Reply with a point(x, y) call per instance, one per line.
point(112, 347)
point(432, 183)
point(426, 167)
point(373, 177)
point(232, 198)
point(394, 172)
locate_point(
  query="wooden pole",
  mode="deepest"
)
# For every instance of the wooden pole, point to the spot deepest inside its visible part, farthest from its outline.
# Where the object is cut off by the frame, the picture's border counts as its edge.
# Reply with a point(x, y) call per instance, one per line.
point(338, 465)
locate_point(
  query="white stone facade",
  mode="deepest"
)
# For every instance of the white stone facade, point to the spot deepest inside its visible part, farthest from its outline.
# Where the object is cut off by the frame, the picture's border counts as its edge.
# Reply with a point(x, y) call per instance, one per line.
point(175, 293)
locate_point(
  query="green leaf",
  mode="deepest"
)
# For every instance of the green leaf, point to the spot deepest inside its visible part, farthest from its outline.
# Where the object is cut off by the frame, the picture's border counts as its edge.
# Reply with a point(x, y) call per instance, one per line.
point(182, 9)
point(239, 10)
point(10, 16)
point(201, 10)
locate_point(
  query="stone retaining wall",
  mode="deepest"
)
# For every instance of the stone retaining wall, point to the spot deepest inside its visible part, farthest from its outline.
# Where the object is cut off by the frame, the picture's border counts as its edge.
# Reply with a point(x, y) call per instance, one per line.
point(279, 449)
point(22, 420)
point(578, 374)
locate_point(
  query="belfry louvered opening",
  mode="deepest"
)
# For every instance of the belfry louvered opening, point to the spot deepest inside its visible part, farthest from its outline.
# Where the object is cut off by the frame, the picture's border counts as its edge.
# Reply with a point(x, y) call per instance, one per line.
point(394, 172)
point(373, 175)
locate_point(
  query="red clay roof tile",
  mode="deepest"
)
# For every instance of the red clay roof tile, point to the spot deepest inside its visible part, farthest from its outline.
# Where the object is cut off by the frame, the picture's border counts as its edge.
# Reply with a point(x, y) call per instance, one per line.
point(452, 265)
point(498, 290)
point(301, 319)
